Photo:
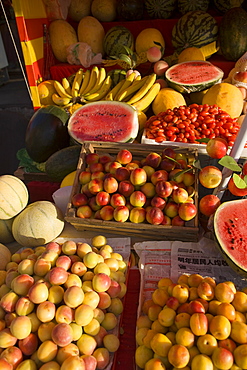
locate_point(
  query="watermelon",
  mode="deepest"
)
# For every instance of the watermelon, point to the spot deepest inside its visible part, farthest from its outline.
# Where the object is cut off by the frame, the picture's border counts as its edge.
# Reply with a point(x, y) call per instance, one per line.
point(196, 28)
point(116, 40)
point(185, 6)
point(223, 6)
point(229, 229)
point(232, 34)
point(104, 121)
point(193, 76)
point(160, 8)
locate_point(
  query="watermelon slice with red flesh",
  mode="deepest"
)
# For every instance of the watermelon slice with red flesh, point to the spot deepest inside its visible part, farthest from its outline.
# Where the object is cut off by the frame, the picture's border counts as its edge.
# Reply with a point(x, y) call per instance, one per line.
point(104, 121)
point(193, 76)
point(231, 233)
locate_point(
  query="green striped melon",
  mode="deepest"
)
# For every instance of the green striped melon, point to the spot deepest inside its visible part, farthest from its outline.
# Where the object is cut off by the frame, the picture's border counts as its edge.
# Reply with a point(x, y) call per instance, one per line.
point(195, 28)
point(160, 8)
point(39, 223)
point(224, 5)
point(116, 39)
point(6, 235)
point(117, 75)
point(13, 196)
point(185, 6)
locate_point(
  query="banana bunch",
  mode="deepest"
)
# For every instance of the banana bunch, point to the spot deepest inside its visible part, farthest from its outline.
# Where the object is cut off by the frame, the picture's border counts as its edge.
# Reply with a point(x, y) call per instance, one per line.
point(136, 91)
point(85, 86)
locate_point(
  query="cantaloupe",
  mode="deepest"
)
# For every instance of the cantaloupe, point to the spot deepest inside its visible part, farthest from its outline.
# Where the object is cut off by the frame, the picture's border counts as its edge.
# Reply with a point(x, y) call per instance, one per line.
point(79, 9)
point(167, 98)
point(6, 235)
point(5, 256)
point(39, 223)
point(13, 196)
point(62, 35)
point(91, 31)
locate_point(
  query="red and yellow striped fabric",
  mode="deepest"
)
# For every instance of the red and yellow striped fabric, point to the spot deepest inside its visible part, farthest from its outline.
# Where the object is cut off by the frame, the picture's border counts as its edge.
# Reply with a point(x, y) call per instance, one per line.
point(32, 25)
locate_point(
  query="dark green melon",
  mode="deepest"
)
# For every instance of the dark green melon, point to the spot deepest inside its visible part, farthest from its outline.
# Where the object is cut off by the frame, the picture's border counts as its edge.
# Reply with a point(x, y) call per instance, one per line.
point(160, 8)
point(185, 6)
point(195, 28)
point(233, 34)
point(224, 5)
point(130, 10)
point(46, 133)
point(117, 75)
point(116, 39)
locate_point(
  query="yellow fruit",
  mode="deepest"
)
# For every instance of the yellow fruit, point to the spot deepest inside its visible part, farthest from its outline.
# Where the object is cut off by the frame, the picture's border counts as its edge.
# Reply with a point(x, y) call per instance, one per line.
point(68, 180)
point(227, 96)
point(142, 355)
point(145, 40)
point(45, 90)
point(104, 10)
point(5, 256)
point(62, 35)
point(167, 98)
point(91, 31)
point(191, 53)
point(79, 9)
point(196, 97)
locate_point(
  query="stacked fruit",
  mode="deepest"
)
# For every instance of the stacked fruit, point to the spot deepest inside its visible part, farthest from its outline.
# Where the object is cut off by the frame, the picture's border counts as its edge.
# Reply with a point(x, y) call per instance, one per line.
point(60, 305)
point(195, 323)
point(157, 189)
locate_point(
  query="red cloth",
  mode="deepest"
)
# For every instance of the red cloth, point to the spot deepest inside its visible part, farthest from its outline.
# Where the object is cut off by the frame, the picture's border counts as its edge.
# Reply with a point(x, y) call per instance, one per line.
point(41, 190)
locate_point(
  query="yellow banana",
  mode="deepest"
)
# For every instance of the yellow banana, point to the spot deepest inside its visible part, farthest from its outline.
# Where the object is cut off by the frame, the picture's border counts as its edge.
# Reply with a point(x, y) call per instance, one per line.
point(129, 91)
point(148, 98)
point(144, 89)
point(60, 90)
point(93, 79)
point(84, 82)
point(100, 94)
point(77, 83)
point(113, 92)
point(127, 82)
point(66, 85)
point(100, 81)
point(58, 100)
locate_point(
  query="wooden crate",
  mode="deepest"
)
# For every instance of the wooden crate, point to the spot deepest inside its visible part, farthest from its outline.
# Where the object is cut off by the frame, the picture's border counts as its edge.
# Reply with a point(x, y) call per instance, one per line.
point(189, 232)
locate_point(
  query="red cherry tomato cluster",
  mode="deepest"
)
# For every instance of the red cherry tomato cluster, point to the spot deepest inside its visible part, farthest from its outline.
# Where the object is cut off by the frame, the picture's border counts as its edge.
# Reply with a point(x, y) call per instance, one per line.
point(187, 124)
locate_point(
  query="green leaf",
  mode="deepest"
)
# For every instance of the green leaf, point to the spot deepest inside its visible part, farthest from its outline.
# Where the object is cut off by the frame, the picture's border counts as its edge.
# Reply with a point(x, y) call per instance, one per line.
point(230, 163)
point(203, 140)
point(239, 182)
point(197, 164)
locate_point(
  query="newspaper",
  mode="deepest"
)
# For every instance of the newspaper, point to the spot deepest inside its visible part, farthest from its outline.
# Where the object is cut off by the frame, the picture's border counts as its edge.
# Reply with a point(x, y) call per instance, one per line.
point(173, 258)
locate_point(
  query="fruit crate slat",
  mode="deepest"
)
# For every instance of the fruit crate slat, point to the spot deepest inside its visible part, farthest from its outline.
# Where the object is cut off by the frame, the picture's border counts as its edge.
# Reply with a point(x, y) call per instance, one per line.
point(190, 232)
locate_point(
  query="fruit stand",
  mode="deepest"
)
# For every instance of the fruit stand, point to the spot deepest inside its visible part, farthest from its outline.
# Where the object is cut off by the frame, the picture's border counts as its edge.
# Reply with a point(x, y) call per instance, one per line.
point(142, 263)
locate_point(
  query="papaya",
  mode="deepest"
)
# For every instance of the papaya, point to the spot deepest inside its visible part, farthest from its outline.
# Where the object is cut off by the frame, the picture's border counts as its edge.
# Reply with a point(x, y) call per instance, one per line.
point(91, 31)
point(62, 35)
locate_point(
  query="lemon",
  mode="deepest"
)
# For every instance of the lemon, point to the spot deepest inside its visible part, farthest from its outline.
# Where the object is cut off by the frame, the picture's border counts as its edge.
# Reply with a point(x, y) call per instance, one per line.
point(45, 91)
point(191, 53)
point(68, 180)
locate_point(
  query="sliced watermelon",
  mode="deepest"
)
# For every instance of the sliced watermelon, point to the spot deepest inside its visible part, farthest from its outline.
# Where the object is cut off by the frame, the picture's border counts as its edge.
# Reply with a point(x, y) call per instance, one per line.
point(193, 76)
point(104, 121)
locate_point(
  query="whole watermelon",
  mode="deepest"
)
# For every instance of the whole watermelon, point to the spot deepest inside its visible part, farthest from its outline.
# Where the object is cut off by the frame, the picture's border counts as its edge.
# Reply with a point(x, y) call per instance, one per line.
point(185, 6)
point(195, 28)
point(130, 10)
point(223, 6)
point(46, 133)
point(160, 8)
point(116, 39)
point(232, 34)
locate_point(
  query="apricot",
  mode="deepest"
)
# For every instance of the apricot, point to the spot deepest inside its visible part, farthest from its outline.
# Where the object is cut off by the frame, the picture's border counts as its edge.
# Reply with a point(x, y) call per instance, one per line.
point(206, 344)
point(178, 355)
point(185, 337)
point(224, 293)
point(142, 355)
point(202, 362)
point(220, 327)
point(222, 358)
point(160, 344)
point(240, 356)
point(199, 323)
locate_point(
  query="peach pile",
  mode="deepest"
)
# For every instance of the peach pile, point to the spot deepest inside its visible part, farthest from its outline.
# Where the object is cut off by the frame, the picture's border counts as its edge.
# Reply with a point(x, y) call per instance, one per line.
point(195, 323)
point(59, 306)
point(157, 189)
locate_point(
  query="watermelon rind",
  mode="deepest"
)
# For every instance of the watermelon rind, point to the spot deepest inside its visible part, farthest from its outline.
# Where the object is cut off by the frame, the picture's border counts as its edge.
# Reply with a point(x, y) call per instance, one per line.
point(110, 121)
point(176, 76)
point(230, 233)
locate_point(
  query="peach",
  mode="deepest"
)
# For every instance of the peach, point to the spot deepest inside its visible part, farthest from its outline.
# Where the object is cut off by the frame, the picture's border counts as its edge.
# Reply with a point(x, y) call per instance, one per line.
point(22, 283)
point(138, 176)
point(176, 175)
point(208, 204)
point(137, 198)
point(154, 216)
point(107, 213)
point(89, 361)
point(153, 160)
point(79, 199)
point(159, 175)
point(47, 351)
point(210, 177)
point(41, 267)
point(121, 213)
point(101, 282)
point(217, 147)
point(84, 177)
point(124, 156)
point(110, 184)
point(57, 275)
point(160, 67)
point(167, 164)
point(137, 215)
point(45, 311)
point(64, 314)
point(95, 167)
point(29, 344)
point(92, 158)
point(67, 351)
point(84, 211)
point(163, 188)
point(126, 188)
point(187, 211)
point(4, 364)
point(180, 195)
point(154, 54)
point(148, 189)
point(62, 334)
point(13, 355)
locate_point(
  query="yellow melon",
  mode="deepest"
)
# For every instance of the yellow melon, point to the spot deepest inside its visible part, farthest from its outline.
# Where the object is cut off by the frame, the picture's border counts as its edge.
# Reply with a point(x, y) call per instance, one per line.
point(62, 35)
point(45, 90)
point(91, 31)
point(227, 96)
point(104, 10)
point(167, 98)
point(146, 38)
point(79, 9)
point(5, 256)
point(191, 53)
point(68, 180)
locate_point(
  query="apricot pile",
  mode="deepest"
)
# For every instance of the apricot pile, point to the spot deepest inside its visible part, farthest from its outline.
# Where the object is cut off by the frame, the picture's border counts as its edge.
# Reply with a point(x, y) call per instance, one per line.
point(59, 306)
point(195, 323)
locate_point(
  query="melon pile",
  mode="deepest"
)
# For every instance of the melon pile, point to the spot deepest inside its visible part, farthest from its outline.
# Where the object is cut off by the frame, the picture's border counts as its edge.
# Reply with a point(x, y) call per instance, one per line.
point(60, 306)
